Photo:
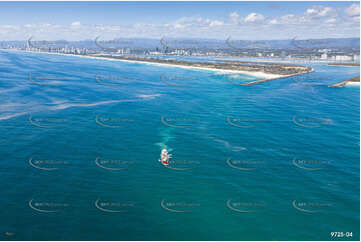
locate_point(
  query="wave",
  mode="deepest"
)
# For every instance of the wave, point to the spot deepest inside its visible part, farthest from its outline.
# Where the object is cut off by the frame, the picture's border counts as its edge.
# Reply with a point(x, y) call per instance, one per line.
point(166, 135)
point(227, 144)
point(71, 105)
point(148, 96)
point(12, 115)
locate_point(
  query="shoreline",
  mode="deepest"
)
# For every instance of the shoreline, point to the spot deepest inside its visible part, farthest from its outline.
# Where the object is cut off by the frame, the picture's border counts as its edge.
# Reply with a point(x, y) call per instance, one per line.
point(353, 84)
point(264, 76)
point(255, 74)
point(355, 81)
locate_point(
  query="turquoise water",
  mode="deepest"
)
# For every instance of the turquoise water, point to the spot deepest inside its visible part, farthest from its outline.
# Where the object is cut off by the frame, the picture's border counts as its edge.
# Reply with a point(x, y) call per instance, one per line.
point(80, 141)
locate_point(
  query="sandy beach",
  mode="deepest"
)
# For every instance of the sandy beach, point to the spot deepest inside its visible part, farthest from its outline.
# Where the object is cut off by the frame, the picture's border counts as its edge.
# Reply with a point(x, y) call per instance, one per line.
point(353, 84)
point(249, 73)
point(355, 81)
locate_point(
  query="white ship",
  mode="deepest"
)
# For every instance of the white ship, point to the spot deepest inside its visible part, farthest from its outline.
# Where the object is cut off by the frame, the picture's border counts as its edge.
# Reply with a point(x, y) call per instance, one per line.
point(165, 157)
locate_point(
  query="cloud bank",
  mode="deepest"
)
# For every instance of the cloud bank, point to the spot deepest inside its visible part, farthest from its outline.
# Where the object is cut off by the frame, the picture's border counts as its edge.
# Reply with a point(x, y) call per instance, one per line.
point(315, 22)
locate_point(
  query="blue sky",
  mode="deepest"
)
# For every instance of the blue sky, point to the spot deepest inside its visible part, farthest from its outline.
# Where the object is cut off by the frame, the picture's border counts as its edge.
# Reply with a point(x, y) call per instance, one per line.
point(242, 20)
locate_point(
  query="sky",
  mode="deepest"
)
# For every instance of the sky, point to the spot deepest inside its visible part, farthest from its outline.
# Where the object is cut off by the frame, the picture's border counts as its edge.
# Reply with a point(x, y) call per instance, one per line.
point(214, 20)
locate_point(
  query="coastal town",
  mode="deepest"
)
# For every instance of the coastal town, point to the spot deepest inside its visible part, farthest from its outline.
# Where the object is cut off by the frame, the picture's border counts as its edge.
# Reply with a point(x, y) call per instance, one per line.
point(288, 50)
point(257, 58)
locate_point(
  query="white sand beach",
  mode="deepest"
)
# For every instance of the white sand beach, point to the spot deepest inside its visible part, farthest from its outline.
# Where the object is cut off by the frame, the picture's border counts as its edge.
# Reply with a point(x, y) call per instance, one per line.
point(353, 84)
point(250, 73)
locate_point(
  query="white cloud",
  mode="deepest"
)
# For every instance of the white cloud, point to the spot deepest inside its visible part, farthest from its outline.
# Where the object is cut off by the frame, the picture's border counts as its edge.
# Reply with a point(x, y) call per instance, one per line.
point(216, 23)
point(273, 21)
point(315, 22)
point(321, 11)
point(311, 11)
point(254, 17)
point(234, 17)
point(75, 24)
point(290, 19)
point(207, 21)
point(179, 26)
point(353, 10)
point(11, 27)
point(331, 20)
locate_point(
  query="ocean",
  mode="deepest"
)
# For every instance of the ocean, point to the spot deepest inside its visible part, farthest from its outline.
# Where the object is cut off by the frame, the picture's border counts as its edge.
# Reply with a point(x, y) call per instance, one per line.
point(80, 141)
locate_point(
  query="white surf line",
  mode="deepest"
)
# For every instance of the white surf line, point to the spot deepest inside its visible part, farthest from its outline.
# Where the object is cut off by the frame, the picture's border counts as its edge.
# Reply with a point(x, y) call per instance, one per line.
point(12, 115)
point(353, 84)
point(249, 73)
point(70, 105)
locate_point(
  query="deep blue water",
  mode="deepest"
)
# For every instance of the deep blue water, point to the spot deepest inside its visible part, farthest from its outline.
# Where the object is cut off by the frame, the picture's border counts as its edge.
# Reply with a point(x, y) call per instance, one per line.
point(80, 141)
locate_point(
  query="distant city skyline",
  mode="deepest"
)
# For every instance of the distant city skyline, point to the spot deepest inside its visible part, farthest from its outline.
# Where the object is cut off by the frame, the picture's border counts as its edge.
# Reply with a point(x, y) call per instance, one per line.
point(217, 20)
